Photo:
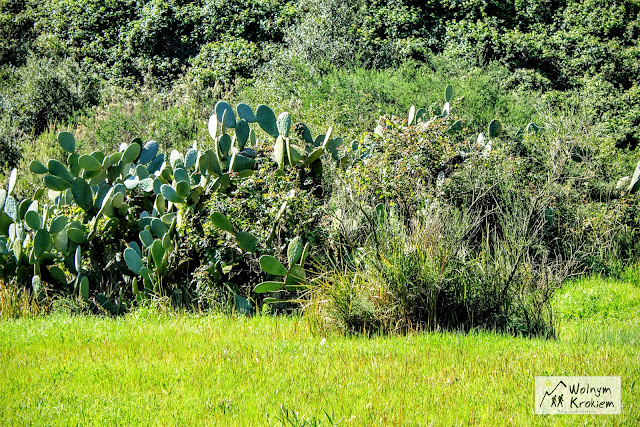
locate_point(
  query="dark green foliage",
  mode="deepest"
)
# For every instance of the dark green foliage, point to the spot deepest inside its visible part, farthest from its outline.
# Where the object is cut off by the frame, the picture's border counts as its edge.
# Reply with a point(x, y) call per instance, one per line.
point(45, 91)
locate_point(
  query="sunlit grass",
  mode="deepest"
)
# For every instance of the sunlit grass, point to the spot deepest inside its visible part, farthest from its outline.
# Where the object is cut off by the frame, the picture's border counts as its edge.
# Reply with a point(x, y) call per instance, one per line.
point(149, 369)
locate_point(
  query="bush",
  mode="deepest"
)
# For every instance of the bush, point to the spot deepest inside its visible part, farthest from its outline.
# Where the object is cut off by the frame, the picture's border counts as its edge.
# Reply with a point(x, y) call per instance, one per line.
point(341, 34)
point(435, 230)
point(45, 91)
point(224, 61)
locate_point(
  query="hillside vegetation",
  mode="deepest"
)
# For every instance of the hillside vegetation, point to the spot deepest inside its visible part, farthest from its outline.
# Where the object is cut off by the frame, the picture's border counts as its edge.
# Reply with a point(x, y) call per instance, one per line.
point(382, 166)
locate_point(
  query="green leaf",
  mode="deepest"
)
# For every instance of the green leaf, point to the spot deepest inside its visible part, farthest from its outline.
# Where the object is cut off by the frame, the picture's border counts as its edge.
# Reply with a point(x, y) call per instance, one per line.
point(222, 222)
point(296, 278)
point(242, 305)
point(148, 152)
point(107, 304)
point(58, 223)
point(109, 161)
point(268, 287)
point(67, 141)
point(495, 128)
point(41, 242)
point(230, 119)
point(242, 163)
point(12, 180)
point(284, 124)
point(170, 194)
point(176, 160)
point(146, 238)
point(24, 207)
point(158, 227)
point(242, 133)
point(3, 198)
point(133, 261)
point(294, 250)
point(224, 145)
point(279, 152)
point(168, 218)
point(76, 235)
point(271, 265)
point(61, 242)
point(131, 153)
point(146, 185)
point(180, 174)
point(11, 208)
point(77, 258)
point(58, 275)
point(245, 113)
point(209, 163)
point(74, 167)
point(305, 253)
point(118, 200)
point(55, 183)
point(82, 193)
point(157, 251)
point(36, 285)
point(58, 169)
point(312, 157)
point(33, 220)
point(246, 241)
point(267, 120)
point(296, 155)
point(136, 247)
point(5, 223)
point(190, 158)
point(37, 167)
point(448, 93)
point(89, 163)
point(167, 243)
point(84, 288)
point(306, 133)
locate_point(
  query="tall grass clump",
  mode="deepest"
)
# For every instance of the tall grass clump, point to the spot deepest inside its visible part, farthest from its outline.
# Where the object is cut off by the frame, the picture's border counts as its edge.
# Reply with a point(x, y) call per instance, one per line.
point(437, 227)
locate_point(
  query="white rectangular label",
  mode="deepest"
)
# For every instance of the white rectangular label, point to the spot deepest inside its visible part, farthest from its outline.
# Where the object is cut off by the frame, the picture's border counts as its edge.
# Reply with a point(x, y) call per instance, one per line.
point(578, 395)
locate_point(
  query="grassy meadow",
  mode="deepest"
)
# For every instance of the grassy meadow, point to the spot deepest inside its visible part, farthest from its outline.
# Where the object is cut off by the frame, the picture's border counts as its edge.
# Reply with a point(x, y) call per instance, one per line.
point(446, 206)
point(148, 368)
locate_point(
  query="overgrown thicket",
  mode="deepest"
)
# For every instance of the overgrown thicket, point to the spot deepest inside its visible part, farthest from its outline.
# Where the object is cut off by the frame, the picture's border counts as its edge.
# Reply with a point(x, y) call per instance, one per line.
point(444, 219)
point(421, 224)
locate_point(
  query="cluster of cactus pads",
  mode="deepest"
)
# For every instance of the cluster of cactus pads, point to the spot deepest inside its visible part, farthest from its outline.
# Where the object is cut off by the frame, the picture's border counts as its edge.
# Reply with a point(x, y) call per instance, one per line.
point(45, 239)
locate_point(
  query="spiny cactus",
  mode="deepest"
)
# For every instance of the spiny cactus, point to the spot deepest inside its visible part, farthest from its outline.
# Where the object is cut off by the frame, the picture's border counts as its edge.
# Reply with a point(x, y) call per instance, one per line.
point(295, 277)
point(246, 241)
point(495, 128)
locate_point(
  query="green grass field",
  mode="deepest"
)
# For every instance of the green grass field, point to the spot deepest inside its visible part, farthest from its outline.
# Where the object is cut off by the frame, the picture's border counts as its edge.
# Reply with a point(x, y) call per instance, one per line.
point(151, 369)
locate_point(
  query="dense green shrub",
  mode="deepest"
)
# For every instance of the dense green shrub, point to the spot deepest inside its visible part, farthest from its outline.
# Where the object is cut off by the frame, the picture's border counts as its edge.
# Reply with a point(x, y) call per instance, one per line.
point(355, 33)
point(224, 61)
point(436, 226)
point(45, 91)
point(129, 41)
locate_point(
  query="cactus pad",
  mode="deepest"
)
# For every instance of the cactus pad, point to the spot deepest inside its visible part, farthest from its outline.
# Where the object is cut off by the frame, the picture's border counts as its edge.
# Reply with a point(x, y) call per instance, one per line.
point(222, 222)
point(267, 120)
point(67, 141)
point(245, 113)
point(230, 118)
point(148, 152)
point(271, 265)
